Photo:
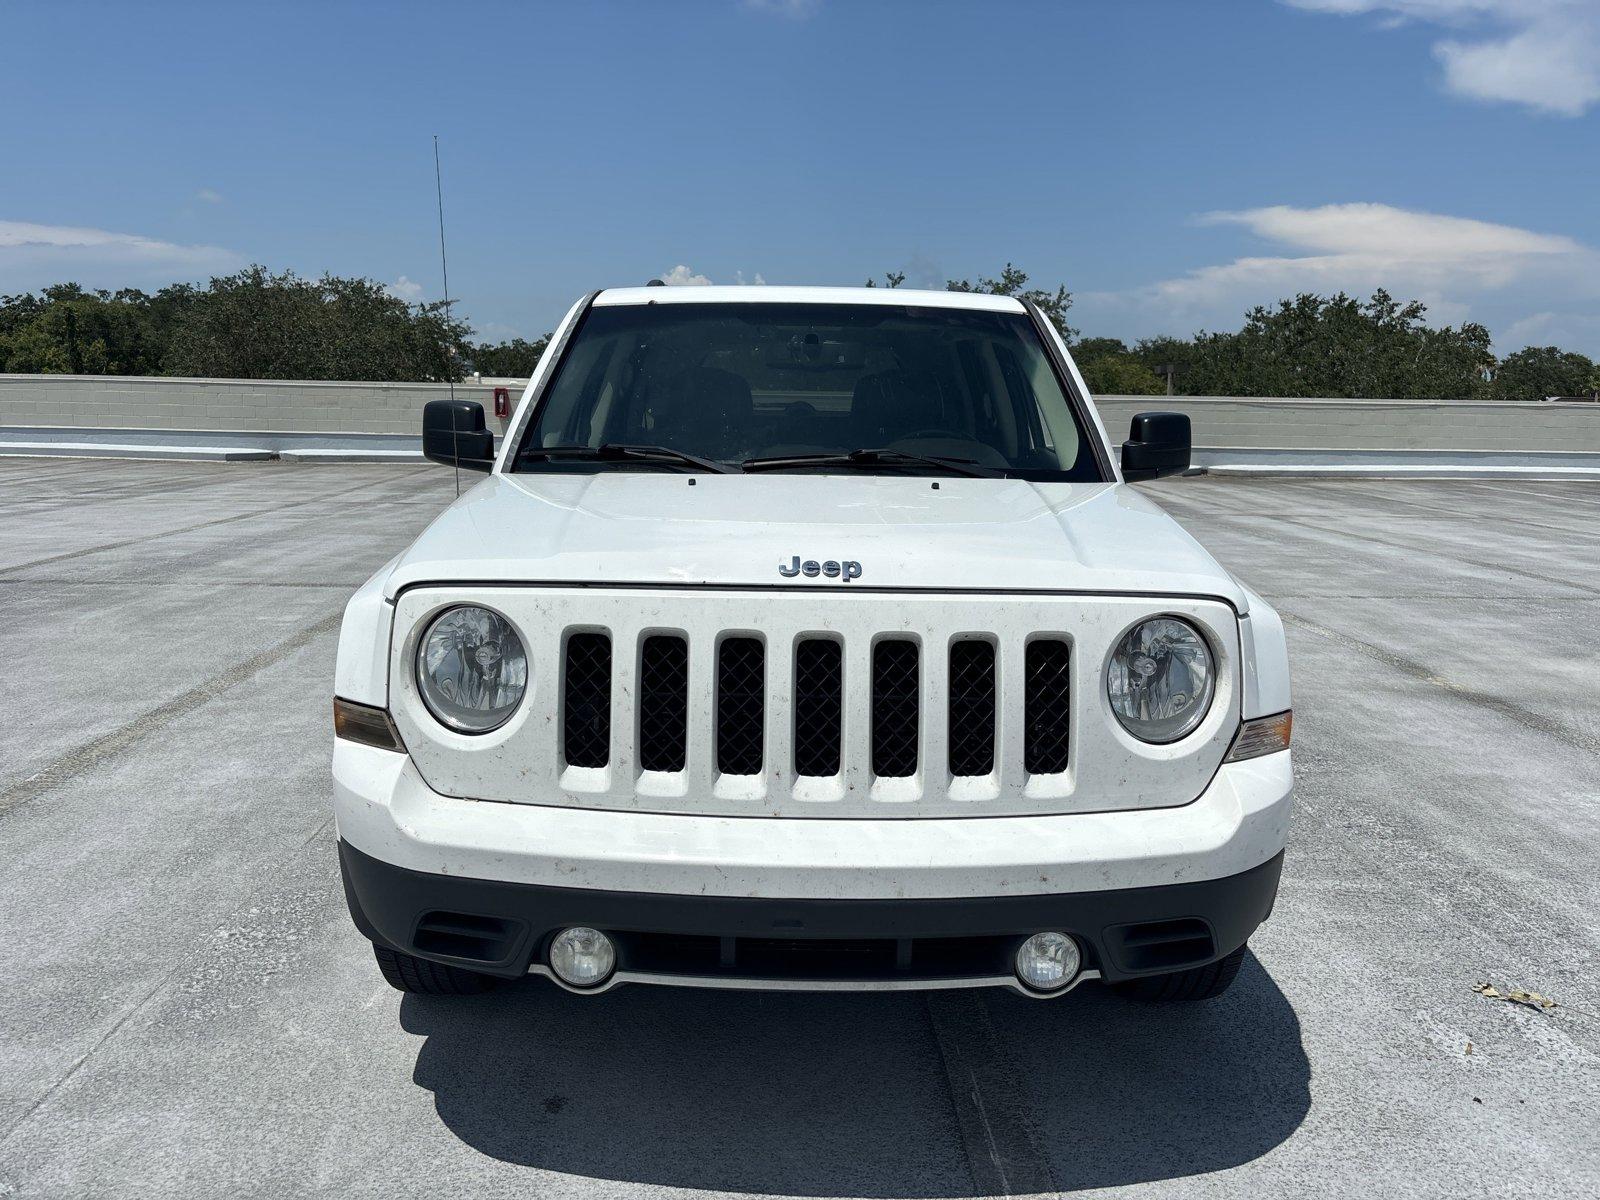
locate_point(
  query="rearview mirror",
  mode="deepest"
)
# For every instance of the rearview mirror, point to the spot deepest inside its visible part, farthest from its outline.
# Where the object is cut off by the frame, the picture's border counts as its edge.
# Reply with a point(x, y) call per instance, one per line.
point(1157, 445)
point(453, 433)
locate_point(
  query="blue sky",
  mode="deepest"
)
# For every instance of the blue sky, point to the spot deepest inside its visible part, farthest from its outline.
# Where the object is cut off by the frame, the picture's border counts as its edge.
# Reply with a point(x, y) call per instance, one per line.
point(1172, 162)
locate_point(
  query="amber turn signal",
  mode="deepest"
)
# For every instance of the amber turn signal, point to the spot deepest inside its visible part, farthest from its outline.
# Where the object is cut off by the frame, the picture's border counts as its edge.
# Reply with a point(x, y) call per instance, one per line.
point(365, 724)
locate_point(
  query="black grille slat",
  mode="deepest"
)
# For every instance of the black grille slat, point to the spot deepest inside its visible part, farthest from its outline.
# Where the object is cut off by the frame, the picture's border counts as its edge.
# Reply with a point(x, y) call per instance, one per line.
point(896, 708)
point(818, 707)
point(1046, 708)
point(663, 703)
point(972, 708)
point(586, 725)
point(741, 705)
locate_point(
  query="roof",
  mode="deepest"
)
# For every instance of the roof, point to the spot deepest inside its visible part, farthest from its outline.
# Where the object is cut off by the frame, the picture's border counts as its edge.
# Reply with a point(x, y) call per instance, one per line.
point(766, 294)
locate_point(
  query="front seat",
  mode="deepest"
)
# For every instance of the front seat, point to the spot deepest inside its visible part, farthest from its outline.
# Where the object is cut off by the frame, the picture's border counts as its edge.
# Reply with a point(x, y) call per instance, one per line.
point(705, 411)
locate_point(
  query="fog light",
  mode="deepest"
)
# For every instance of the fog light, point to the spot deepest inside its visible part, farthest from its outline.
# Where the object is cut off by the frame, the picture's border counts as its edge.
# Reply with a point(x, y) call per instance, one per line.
point(1048, 961)
point(582, 957)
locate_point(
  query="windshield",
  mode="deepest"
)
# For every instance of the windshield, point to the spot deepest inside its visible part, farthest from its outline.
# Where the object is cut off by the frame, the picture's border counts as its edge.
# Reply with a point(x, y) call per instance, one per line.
point(737, 382)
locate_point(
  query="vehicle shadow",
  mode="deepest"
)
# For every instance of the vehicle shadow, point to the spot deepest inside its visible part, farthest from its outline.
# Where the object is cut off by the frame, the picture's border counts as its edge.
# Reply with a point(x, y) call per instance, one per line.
point(846, 1095)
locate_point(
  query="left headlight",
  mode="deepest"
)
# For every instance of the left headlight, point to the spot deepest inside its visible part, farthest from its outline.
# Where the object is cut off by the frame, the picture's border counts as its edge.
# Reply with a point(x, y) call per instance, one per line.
point(472, 670)
point(1161, 679)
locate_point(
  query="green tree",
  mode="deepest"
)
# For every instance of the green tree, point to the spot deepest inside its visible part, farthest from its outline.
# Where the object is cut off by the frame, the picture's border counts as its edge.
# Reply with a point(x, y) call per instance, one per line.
point(1541, 371)
point(1121, 375)
point(1014, 282)
point(1088, 349)
point(1340, 347)
point(260, 325)
point(515, 359)
point(1166, 355)
point(67, 330)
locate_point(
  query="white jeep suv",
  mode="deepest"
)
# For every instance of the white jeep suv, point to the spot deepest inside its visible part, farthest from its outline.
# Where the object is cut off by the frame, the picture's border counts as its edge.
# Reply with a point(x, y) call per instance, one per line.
point(809, 638)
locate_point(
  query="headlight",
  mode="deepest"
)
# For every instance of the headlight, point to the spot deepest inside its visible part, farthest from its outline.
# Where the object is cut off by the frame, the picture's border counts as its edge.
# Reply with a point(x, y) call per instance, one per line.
point(471, 669)
point(1160, 680)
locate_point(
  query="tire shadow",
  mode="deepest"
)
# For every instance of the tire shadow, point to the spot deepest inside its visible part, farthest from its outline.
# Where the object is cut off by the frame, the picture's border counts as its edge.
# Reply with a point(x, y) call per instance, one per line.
point(846, 1094)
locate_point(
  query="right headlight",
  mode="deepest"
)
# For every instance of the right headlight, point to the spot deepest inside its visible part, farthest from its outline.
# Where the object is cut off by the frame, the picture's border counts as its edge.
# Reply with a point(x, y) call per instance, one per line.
point(472, 670)
point(1161, 679)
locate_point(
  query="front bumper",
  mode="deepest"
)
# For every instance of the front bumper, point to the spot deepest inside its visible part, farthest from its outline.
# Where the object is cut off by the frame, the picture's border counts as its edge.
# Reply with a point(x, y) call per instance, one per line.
point(753, 901)
point(505, 929)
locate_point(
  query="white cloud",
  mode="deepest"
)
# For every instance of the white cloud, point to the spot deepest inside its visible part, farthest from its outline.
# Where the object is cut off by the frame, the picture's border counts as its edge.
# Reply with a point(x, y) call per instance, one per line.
point(1571, 331)
point(1544, 54)
point(208, 196)
point(32, 255)
point(1461, 268)
point(681, 275)
point(795, 10)
point(405, 289)
point(741, 281)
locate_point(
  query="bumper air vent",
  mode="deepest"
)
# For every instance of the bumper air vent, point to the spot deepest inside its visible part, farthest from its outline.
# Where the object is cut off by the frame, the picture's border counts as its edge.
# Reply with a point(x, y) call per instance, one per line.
point(1161, 945)
point(462, 935)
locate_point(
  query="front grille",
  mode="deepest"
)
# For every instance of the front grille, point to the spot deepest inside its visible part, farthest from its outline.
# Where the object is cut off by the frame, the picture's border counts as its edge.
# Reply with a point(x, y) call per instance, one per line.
point(663, 703)
point(741, 705)
point(818, 707)
point(818, 734)
point(972, 708)
point(896, 715)
point(586, 727)
point(1046, 707)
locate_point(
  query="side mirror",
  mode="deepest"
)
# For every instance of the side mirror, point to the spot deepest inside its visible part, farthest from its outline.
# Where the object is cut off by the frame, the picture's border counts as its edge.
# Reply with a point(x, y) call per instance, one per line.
point(1157, 445)
point(453, 433)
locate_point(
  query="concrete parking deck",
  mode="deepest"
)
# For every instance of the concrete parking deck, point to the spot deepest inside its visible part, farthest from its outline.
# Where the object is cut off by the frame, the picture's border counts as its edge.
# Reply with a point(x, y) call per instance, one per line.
point(190, 1012)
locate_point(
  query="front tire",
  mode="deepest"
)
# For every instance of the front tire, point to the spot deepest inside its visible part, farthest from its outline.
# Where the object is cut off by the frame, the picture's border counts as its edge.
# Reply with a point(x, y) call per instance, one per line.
point(407, 973)
point(1196, 983)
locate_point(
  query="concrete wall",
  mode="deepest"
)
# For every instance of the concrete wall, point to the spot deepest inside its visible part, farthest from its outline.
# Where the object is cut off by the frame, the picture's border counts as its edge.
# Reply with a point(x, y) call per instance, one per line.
point(95, 402)
point(1238, 422)
point(224, 405)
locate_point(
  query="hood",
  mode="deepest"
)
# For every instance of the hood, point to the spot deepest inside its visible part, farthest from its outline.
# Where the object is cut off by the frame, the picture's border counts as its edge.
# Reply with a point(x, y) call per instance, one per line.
point(953, 533)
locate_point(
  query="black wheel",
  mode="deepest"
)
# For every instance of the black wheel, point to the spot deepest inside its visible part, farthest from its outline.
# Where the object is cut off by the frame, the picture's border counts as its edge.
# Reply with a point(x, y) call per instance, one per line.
point(407, 973)
point(1197, 983)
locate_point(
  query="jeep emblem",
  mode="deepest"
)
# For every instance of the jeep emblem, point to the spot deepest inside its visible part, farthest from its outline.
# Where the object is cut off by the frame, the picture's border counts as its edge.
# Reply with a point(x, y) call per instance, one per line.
point(811, 568)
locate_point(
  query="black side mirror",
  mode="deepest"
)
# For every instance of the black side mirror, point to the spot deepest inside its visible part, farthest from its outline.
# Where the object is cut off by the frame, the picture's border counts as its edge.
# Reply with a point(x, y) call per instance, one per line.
point(453, 433)
point(1157, 445)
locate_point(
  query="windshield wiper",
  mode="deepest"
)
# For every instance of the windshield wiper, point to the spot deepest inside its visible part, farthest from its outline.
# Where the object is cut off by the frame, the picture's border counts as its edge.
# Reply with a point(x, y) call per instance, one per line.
point(617, 452)
point(870, 458)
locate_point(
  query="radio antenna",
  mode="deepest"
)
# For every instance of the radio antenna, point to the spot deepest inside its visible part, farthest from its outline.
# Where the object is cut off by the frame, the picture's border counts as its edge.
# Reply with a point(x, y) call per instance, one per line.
point(444, 269)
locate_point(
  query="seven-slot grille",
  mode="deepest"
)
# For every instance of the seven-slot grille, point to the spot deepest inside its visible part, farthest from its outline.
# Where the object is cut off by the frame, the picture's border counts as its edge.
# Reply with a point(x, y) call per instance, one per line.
point(818, 705)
